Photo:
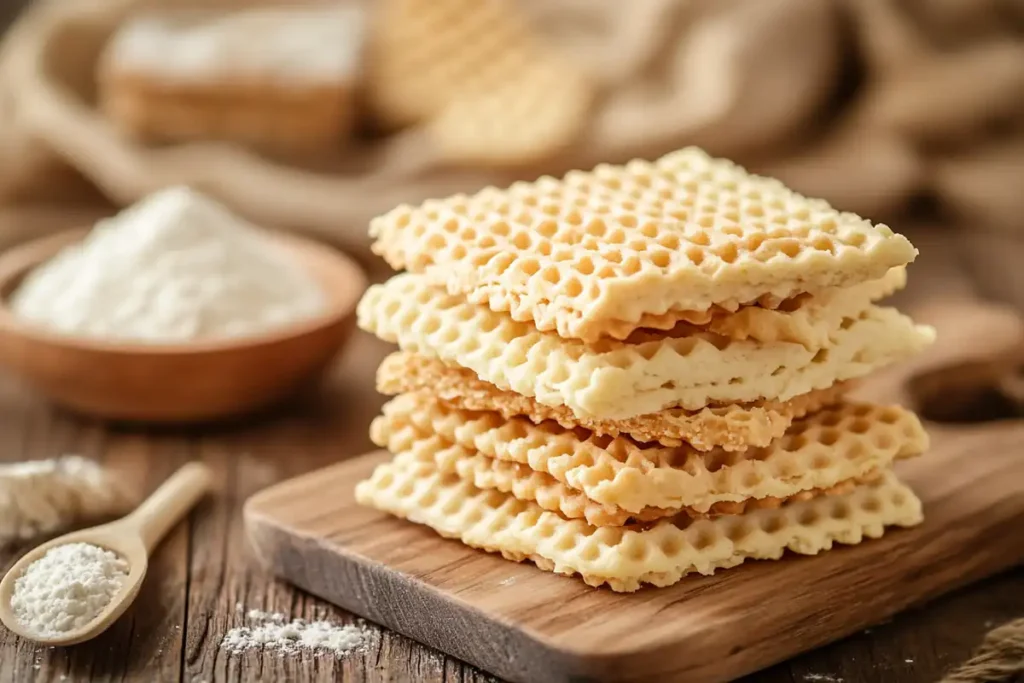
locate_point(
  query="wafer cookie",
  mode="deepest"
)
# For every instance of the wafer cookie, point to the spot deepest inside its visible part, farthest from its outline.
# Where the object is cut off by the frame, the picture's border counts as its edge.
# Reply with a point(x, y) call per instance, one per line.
point(508, 477)
point(807, 320)
point(616, 380)
point(424, 54)
point(526, 119)
point(604, 252)
point(475, 71)
point(733, 427)
point(543, 489)
point(626, 557)
point(837, 444)
point(525, 483)
point(279, 78)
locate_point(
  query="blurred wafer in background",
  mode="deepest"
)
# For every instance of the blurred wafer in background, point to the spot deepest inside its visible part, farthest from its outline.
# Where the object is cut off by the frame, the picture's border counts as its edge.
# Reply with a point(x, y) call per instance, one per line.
point(273, 77)
point(491, 91)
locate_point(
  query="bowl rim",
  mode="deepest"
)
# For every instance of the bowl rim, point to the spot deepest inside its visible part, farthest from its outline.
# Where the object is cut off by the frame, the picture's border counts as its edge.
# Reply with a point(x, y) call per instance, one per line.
point(18, 261)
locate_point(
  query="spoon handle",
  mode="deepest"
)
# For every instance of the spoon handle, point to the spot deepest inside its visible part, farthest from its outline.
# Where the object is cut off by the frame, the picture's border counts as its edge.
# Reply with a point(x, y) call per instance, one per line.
point(162, 510)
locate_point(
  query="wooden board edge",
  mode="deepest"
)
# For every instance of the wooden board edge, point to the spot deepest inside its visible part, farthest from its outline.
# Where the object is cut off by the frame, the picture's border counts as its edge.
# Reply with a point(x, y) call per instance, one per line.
point(513, 653)
point(518, 655)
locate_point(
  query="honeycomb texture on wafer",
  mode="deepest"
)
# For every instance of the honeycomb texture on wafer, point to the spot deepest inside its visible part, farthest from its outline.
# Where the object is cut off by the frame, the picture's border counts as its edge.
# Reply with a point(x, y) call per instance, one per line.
point(414, 442)
point(613, 379)
point(836, 444)
point(732, 427)
point(509, 477)
point(604, 252)
point(626, 557)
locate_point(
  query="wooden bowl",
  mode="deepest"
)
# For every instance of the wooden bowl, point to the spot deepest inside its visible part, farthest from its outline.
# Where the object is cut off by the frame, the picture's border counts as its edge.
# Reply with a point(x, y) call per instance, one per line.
point(180, 382)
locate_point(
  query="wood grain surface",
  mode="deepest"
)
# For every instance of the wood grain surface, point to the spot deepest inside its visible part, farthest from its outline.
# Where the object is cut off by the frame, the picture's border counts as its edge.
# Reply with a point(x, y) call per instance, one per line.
point(529, 625)
point(205, 568)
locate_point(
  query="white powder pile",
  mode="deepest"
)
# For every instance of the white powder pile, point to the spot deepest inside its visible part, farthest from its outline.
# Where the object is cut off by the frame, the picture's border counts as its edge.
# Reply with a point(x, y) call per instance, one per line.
point(67, 588)
point(175, 267)
point(45, 496)
point(275, 632)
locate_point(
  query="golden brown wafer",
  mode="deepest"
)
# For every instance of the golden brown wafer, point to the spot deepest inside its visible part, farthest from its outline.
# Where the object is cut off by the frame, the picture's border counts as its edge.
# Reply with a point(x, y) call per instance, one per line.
point(840, 443)
point(541, 488)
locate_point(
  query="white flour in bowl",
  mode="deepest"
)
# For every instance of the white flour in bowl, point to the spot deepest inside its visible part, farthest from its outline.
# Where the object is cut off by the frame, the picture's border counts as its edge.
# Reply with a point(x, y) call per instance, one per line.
point(67, 588)
point(175, 267)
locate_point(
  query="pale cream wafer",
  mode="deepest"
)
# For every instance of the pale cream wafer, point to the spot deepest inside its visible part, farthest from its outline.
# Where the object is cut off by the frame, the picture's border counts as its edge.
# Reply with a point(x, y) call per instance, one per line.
point(807, 320)
point(837, 444)
point(616, 380)
point(528, 484)
point(626, 557)
point(733, 427)
point(804, 319)
point(604, 252)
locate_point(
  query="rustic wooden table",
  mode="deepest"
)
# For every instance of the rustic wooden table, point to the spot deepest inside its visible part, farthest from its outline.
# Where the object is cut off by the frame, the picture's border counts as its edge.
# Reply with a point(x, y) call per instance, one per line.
point(203, 571)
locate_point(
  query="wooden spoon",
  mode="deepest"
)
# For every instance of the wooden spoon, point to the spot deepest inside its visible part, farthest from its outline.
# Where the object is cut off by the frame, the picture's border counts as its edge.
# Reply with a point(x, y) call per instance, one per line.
point(132, 538)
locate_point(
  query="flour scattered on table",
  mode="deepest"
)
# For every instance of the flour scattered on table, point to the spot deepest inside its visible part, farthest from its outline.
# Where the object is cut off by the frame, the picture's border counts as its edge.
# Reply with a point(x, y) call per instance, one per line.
point(275, 617)
point(67, 588)
point(44, 496)
point(175, 267)
point(822, 678)
point(275, 632)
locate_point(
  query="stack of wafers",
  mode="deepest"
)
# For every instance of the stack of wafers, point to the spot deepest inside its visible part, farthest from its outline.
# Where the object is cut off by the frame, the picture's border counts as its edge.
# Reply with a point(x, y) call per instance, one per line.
point(638, 372)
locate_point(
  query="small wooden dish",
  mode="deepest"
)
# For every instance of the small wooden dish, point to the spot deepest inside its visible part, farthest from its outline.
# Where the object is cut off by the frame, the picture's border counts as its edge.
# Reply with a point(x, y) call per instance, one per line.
point(178, 383)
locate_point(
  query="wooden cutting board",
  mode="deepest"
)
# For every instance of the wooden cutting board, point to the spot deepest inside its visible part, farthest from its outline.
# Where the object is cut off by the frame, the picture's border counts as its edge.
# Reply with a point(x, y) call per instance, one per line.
point(527, 625)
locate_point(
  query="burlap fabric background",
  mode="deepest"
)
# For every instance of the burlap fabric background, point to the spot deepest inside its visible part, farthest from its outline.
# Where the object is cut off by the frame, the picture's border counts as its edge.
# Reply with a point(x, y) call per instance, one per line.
point(872, 104)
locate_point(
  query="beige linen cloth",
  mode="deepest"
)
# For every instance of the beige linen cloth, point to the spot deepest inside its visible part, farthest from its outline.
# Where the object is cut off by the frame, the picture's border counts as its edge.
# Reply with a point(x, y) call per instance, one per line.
point(871, 104)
